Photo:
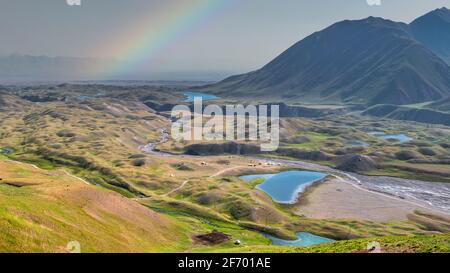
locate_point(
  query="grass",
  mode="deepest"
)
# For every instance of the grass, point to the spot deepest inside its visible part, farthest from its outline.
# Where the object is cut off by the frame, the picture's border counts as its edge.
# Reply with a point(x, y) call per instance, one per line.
point(104, 138)
point(93, 176)
point(256, 182)
point(345, 229)
point(200, 225)
point(176, 206)
point(316, 141)
point(395, 244)
point(58, 209)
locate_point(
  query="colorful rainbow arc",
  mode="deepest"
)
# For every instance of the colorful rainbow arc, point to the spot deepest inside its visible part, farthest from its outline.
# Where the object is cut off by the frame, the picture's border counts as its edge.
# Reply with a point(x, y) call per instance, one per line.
point(145, 45)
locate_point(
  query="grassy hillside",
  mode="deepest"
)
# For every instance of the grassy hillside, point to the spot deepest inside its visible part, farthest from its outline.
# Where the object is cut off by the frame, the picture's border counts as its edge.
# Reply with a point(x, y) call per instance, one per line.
point(41, 211)
point(385, 66)
point(393, 244)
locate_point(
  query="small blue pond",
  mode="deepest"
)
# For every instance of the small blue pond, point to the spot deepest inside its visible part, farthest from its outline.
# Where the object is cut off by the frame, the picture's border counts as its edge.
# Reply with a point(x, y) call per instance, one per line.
point(399, 137)
point(303, 239)
point(190, 96)
point(6, 151)
point(284, 187)
point(356, 143)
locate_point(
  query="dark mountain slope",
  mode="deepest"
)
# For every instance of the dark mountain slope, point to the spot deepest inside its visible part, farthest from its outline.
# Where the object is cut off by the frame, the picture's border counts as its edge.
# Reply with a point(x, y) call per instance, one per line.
point(370, 61)
point(433, 30)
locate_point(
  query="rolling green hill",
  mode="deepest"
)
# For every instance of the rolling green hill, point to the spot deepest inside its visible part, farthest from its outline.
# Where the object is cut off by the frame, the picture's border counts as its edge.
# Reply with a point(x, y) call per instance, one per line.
point(391, 244)
point(42, 211)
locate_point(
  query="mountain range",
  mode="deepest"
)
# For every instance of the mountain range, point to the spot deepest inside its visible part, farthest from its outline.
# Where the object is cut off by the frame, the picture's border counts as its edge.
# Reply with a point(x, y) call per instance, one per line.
point(370, 61)
point(17, 67)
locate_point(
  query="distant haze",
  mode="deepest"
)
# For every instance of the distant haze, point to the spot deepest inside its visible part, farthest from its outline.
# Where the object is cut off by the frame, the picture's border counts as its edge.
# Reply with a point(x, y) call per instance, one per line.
point(182, 39)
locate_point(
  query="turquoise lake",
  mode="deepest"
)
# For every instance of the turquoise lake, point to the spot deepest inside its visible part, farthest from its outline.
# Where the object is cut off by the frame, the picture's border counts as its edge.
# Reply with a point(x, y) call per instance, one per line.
point(190, 96)
point(399, 137)
point(303, 239)
point(285, 187)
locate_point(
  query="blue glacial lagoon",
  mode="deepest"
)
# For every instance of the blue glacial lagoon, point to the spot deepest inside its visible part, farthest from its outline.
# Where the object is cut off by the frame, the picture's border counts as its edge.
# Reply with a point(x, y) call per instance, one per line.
point(399, 137)
point(190, 96)
point(285, 187)
point(303, 239)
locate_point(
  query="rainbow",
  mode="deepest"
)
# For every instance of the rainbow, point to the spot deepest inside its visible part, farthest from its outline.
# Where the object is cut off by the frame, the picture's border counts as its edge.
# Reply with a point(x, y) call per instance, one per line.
point(151, 36)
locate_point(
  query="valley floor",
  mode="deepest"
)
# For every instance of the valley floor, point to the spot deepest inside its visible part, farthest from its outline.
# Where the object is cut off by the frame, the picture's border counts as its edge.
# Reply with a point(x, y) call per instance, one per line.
point(335, 199)
point(95, 171)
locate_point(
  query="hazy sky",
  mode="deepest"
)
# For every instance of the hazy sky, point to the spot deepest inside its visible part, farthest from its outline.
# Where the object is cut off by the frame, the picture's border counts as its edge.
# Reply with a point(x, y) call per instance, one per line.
point(229, 35)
